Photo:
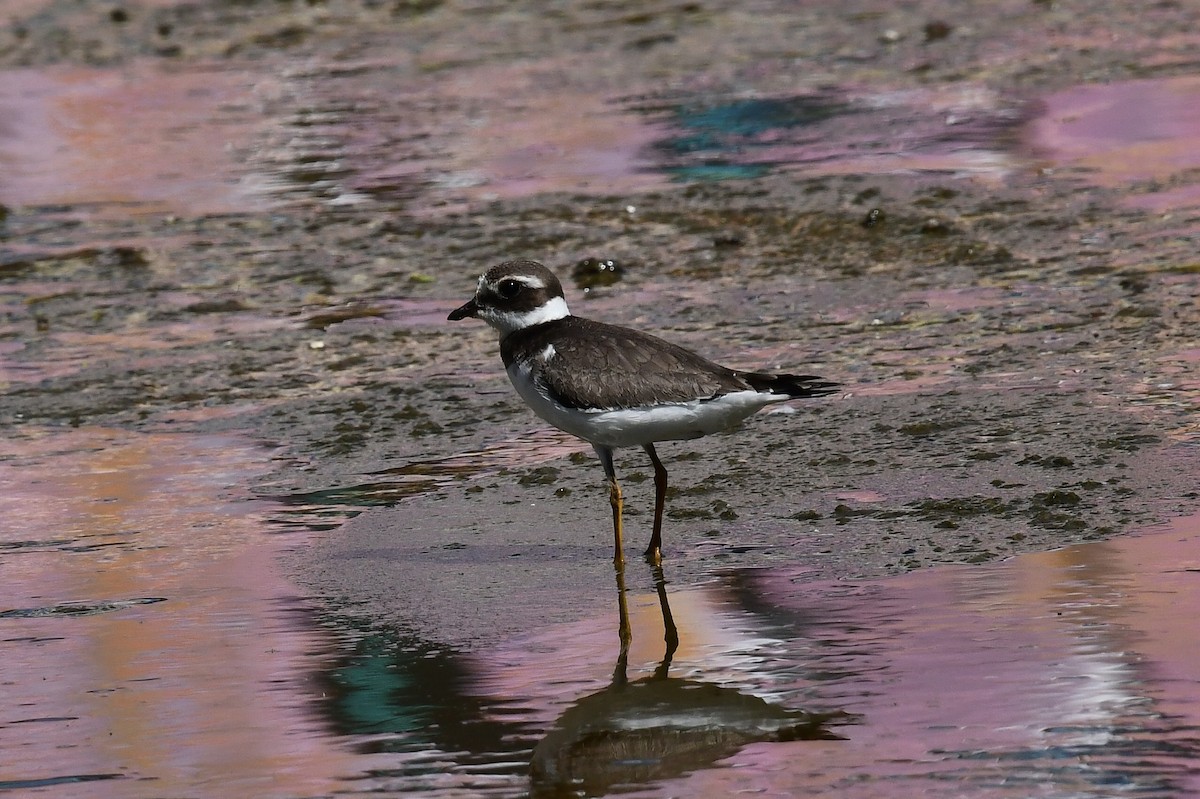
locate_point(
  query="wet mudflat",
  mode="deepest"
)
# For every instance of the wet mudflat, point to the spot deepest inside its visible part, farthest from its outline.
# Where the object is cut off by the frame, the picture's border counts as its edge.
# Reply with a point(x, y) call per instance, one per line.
point(273, 527)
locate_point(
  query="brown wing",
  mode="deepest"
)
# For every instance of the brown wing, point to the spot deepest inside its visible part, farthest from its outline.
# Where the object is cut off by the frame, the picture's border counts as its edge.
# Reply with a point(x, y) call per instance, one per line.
point(602, 366)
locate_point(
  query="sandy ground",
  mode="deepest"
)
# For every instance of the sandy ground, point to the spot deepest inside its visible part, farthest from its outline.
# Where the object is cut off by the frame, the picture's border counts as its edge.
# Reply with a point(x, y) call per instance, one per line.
point(1018, 347)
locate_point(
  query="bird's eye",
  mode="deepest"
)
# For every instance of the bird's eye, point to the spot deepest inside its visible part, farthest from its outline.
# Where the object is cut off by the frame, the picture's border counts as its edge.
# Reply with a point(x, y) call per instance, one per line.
point(509, 288)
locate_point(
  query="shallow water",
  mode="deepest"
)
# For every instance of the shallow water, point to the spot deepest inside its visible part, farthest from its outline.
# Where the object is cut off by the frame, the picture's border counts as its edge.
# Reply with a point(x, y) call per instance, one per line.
point(220, 138)
point(152, 649)
point(1068, 673)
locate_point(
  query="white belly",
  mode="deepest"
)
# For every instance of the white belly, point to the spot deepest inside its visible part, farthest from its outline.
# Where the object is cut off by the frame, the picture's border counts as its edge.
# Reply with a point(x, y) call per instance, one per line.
point(637, 426)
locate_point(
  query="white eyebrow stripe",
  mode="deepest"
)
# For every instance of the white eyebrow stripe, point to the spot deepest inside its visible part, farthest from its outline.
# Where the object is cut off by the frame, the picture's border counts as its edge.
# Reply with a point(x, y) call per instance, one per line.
point(528, 280)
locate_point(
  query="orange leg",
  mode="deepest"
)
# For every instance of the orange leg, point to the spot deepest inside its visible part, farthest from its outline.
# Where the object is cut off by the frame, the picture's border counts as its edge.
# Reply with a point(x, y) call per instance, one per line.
point(615, 499)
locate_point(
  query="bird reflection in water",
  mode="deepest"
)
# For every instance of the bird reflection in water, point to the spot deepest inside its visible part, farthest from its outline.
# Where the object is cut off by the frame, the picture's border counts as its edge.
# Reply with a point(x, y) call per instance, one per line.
point(657, 727)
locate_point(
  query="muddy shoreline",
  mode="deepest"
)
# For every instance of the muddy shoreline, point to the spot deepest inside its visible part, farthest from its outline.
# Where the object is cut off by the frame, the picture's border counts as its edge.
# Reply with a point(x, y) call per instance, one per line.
point(1018, 346)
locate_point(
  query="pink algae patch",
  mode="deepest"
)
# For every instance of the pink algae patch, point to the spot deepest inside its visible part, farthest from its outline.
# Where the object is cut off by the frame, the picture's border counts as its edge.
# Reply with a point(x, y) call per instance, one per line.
point(188, 675)
point(153, 139)
point(1124, 133)
point(1071, 669)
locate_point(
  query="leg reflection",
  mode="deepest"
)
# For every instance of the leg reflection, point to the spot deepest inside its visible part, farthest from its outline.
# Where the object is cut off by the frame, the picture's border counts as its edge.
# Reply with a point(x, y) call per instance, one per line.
point(670, 633)
point(624, 631)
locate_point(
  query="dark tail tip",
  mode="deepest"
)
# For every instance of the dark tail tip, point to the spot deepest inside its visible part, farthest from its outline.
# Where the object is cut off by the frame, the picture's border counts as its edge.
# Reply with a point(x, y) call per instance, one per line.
point(795, 386)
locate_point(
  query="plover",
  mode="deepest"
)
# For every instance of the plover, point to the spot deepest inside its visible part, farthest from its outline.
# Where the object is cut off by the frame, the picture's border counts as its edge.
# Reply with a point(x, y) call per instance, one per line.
point(612, 386)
